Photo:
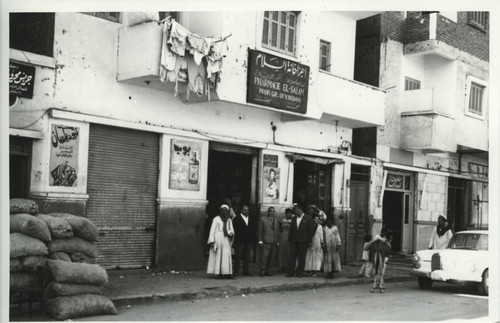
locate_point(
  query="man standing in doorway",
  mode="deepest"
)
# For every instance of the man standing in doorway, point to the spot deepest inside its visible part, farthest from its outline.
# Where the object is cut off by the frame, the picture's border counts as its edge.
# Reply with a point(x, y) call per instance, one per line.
point(243, 241)
point(267, 235)
point(301, 233)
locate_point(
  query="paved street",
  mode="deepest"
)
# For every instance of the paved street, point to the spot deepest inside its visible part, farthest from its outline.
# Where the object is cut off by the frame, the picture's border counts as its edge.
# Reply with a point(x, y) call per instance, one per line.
point(401, 301)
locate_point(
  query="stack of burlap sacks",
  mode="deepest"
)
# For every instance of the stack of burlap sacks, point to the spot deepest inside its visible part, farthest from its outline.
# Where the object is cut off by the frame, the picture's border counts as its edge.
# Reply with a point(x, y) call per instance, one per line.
point(63, 246)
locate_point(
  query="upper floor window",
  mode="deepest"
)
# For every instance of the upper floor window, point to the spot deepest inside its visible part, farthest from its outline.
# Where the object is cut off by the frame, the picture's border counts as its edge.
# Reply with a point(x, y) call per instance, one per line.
point(411, 84)
point(324, 55)
point(475, 97)
point(111, 16)
point(279, 31)
point(32, 32)
point(478, 19)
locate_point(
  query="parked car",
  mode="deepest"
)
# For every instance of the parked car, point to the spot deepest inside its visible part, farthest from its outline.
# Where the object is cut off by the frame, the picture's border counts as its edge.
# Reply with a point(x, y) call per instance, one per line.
point(465, 259)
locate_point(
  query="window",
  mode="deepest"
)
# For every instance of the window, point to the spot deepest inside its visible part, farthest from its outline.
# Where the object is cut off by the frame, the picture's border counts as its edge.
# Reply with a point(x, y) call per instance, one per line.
point(478, 19)
point(278, 31)
point(478, 170)
point(476, 98)
point(32, 32)
point(324, 55)
point(411, 84)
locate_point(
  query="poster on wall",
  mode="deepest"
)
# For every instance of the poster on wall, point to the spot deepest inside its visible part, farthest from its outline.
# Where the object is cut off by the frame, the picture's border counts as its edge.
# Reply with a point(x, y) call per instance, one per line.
point(271, 179)
point(64, 156)
point(185, 157)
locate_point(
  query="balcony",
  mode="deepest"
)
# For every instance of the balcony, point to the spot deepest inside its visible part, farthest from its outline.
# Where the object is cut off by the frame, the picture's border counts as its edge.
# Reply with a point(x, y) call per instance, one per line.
point(356, 104)
point(426, 101)
point(428, 133)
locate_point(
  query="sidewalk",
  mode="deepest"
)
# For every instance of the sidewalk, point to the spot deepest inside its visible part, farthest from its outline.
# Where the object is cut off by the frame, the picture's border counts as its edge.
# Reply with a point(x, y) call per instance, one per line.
point(128, 287)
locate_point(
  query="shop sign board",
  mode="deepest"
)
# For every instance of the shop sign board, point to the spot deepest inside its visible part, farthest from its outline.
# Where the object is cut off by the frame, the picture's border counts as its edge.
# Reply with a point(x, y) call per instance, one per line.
point(21, 80)
point(277, 82)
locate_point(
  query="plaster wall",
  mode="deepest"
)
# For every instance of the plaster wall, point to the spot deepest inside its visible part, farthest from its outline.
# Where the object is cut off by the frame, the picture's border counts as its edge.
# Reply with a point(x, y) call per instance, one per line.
point(342, 43)
point(431, 196)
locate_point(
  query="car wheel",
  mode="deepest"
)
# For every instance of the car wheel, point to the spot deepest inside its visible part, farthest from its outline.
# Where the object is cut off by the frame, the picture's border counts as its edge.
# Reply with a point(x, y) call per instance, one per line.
point(483, 285)
point(425, 283)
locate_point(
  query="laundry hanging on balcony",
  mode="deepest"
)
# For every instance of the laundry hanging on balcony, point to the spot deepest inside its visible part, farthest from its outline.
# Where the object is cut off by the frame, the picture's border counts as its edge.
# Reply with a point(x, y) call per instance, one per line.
point(190, 58)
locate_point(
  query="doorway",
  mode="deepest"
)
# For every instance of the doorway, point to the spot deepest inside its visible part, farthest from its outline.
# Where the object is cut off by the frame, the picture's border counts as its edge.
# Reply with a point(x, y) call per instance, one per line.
point(19, 167)
point(455, 210)
point(392, 217)
point(312, 185)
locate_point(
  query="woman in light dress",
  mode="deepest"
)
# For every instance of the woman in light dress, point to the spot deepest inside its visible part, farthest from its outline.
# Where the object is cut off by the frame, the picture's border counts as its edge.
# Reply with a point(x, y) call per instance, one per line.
point(220, 240)
point(314, 254)
point(332, 245)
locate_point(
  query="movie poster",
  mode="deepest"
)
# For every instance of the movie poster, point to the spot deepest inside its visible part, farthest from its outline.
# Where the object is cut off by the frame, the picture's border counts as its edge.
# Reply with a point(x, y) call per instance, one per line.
point(271, 179)
point(64, 156)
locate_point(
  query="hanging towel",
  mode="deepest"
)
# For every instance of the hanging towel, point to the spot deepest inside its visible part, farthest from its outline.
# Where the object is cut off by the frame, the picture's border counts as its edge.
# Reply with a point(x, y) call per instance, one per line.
point(168, 58)
point(196, 77)
point(178, 36)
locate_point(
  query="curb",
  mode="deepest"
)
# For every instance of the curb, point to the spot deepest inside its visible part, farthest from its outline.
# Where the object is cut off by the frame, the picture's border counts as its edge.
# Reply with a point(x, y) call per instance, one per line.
point(227, 291)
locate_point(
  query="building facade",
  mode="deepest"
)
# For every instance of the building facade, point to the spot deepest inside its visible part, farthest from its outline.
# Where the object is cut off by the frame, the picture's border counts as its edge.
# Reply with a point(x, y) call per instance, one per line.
point(434, 144)
point(295, 112)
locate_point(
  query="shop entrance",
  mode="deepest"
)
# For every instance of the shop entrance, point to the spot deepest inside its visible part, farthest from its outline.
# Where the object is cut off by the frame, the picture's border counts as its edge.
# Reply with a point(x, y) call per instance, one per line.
point(232, 174)
point(397, 211)
point(312, 185)
point(455, 213)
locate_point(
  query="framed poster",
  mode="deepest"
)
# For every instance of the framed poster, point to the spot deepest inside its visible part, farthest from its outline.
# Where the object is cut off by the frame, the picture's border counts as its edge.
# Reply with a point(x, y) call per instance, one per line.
point(271, 179)
point(185, 157)
point(64, 155)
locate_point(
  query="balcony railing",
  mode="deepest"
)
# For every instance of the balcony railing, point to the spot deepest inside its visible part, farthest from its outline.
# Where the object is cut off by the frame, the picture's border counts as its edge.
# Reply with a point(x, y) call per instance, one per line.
point(427, 101)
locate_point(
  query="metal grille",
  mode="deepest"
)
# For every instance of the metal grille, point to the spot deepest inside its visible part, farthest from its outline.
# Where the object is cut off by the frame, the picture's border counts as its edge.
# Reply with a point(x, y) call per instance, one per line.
point(122, 187)
point(436, 262)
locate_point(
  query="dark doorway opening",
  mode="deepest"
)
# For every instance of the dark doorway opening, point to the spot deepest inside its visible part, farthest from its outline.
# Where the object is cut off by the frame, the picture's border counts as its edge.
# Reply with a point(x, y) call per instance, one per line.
point(312, 185)
point(229, 177)
point(455, 212)
point(19, 167)
point(392, 217)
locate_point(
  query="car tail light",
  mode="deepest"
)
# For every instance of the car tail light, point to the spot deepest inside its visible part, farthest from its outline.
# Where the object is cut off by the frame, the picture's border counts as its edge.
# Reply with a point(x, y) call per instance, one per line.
point(436, 262)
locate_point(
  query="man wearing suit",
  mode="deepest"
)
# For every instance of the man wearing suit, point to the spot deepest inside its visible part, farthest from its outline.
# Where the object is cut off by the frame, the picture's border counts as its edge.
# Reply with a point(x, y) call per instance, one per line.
point(300, 236)
point(244, 239)
point(267, 236)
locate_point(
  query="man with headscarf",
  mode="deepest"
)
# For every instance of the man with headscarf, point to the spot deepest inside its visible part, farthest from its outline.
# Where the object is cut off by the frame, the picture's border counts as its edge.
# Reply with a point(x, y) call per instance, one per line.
point(441, 234)
point(220, 241)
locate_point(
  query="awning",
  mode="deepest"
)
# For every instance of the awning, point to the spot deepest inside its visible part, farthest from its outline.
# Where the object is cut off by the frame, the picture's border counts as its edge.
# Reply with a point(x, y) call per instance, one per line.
point(314, 159)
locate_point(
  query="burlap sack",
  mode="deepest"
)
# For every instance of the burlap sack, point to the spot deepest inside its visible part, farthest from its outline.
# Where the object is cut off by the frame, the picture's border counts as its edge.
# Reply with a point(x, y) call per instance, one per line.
point(68, 307)
point(55, 289)
point(16, 265)
point(59, 228)
point(59, 255)
point(77, 273)
point(82, 227)
point(30, 225)
point(33, 263)
point(79, 257)
point(22, 280)
point(22, 245)
point(73, 245)
point(23, 206)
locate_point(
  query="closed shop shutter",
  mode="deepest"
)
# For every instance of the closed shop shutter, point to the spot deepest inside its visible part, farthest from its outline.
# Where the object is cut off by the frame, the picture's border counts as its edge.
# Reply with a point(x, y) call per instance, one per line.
point(122, 186)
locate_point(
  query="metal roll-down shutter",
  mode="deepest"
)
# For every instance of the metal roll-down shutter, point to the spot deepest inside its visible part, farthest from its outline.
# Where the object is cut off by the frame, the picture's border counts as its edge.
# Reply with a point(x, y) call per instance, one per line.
point(122, 186)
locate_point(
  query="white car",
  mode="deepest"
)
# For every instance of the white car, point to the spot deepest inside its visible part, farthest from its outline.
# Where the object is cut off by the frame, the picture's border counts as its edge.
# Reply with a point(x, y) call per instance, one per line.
point(465, 259)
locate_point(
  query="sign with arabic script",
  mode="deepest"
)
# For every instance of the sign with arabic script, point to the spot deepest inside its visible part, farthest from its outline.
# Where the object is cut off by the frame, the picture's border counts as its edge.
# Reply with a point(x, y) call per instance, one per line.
point(21, 80)
point(277, 82)
point(394, 181)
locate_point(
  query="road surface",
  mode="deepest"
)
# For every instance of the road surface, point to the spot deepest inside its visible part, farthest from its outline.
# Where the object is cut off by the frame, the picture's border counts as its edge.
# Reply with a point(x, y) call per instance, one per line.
point(401, 301)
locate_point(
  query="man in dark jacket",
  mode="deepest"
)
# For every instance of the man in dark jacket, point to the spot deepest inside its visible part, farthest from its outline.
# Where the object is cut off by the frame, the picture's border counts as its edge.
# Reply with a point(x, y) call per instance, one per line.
point(301, 233)
point(244, 238)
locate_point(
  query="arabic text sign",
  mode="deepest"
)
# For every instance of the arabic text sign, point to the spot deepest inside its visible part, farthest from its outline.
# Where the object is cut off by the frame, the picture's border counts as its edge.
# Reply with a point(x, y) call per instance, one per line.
point(394, 181)
point(277, 82)
point(21, 80)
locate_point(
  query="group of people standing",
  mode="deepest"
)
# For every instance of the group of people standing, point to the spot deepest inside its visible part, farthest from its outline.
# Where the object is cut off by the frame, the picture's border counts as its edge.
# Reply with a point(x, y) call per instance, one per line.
point(306, 243)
